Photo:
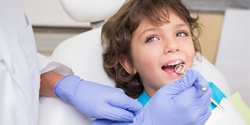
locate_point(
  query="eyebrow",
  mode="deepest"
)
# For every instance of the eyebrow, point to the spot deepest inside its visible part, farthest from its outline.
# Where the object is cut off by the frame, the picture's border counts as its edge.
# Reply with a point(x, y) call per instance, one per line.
point(155, 28)
point(182, 25)
point(150, 29)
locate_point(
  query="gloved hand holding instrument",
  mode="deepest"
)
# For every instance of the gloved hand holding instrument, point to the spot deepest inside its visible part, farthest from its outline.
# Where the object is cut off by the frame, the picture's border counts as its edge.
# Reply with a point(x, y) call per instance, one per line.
point(178, 103)
point(181, 69)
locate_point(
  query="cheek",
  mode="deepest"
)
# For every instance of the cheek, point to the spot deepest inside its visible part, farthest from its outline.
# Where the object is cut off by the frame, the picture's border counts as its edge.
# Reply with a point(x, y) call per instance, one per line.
point(190, 54)
point(189, 47)
point(144, 60)
point(192, 51)
point(141, 59)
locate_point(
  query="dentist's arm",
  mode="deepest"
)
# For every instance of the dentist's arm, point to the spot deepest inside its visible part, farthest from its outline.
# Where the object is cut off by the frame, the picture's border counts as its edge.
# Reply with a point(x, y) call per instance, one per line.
point(90, 98)
point(48, 82)
point(178, 103)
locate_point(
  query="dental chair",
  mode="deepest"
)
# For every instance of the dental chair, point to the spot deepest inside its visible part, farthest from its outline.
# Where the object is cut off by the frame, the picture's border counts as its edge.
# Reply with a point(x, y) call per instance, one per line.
point(83, 54)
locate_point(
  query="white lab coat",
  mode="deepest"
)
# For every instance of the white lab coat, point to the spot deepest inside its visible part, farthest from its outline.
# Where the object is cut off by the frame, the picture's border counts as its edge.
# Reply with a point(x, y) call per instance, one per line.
point(19, 70)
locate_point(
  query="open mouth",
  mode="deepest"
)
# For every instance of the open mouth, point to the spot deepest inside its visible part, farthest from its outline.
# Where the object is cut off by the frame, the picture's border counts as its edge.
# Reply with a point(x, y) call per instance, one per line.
point(171, 67)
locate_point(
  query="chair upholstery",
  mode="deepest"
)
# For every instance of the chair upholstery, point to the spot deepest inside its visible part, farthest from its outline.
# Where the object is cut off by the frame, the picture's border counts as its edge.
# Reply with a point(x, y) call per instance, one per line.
point(91, 10)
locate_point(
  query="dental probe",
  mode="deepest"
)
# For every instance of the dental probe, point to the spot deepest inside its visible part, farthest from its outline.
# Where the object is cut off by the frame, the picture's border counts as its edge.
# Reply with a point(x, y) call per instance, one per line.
point(181, 69)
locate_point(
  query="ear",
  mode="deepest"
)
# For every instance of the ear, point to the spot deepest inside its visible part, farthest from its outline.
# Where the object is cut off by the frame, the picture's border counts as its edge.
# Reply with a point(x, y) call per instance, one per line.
point(127, 65)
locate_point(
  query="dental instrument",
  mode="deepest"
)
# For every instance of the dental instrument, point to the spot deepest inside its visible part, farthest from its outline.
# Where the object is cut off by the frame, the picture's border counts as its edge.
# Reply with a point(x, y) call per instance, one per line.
point(181, 69)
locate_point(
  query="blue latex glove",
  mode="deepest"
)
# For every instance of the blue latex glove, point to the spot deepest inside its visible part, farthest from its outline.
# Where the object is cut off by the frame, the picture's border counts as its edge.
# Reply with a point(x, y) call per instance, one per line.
point(108, 122)
point(97, 100)
point(178, 103)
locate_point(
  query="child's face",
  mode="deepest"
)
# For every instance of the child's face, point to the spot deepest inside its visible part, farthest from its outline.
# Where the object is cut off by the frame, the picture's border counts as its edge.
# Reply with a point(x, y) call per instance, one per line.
point(155, 47)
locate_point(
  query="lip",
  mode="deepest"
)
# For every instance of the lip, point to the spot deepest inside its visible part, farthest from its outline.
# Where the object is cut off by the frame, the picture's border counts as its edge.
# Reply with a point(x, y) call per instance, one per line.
point(171, 71)
point(172, 62)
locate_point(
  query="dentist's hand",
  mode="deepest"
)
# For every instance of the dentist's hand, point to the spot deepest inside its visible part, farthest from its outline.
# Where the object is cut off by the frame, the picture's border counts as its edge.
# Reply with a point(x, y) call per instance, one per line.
point(96, 100)
point(178, 103)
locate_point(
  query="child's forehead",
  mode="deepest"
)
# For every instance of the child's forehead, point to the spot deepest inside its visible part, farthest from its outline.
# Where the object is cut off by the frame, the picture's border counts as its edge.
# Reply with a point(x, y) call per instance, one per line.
point(145, 25)
point(160, 20)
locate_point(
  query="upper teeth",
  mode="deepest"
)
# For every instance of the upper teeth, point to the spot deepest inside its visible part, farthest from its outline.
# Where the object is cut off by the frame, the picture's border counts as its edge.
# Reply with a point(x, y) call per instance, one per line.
point(175, 63)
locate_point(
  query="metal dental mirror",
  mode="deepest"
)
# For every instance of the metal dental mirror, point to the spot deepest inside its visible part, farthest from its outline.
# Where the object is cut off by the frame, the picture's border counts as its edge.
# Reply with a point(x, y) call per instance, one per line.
point(181, 69)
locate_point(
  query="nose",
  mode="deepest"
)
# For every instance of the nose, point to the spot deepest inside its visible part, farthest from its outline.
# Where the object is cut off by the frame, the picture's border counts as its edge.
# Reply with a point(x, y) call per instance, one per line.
point(171, 46)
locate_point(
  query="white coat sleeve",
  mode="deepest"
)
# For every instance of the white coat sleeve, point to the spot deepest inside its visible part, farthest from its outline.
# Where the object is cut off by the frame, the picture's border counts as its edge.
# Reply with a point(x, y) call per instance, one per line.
point(52, 64)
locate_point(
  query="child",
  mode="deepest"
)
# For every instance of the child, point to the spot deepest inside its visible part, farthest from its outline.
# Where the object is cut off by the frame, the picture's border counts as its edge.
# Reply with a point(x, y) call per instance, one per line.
point(144, 42)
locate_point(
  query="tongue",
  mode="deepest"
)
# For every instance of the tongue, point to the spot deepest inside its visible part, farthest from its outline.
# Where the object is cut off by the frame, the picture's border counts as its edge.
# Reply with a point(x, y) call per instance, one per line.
point(169, 68)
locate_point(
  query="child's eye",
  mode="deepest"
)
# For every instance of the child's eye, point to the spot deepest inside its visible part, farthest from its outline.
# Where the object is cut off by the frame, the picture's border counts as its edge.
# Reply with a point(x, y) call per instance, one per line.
point(151, 38)
point(181, 34)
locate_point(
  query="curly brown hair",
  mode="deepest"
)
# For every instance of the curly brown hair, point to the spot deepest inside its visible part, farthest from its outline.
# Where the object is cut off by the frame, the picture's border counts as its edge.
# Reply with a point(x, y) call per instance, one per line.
point(118, 30)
